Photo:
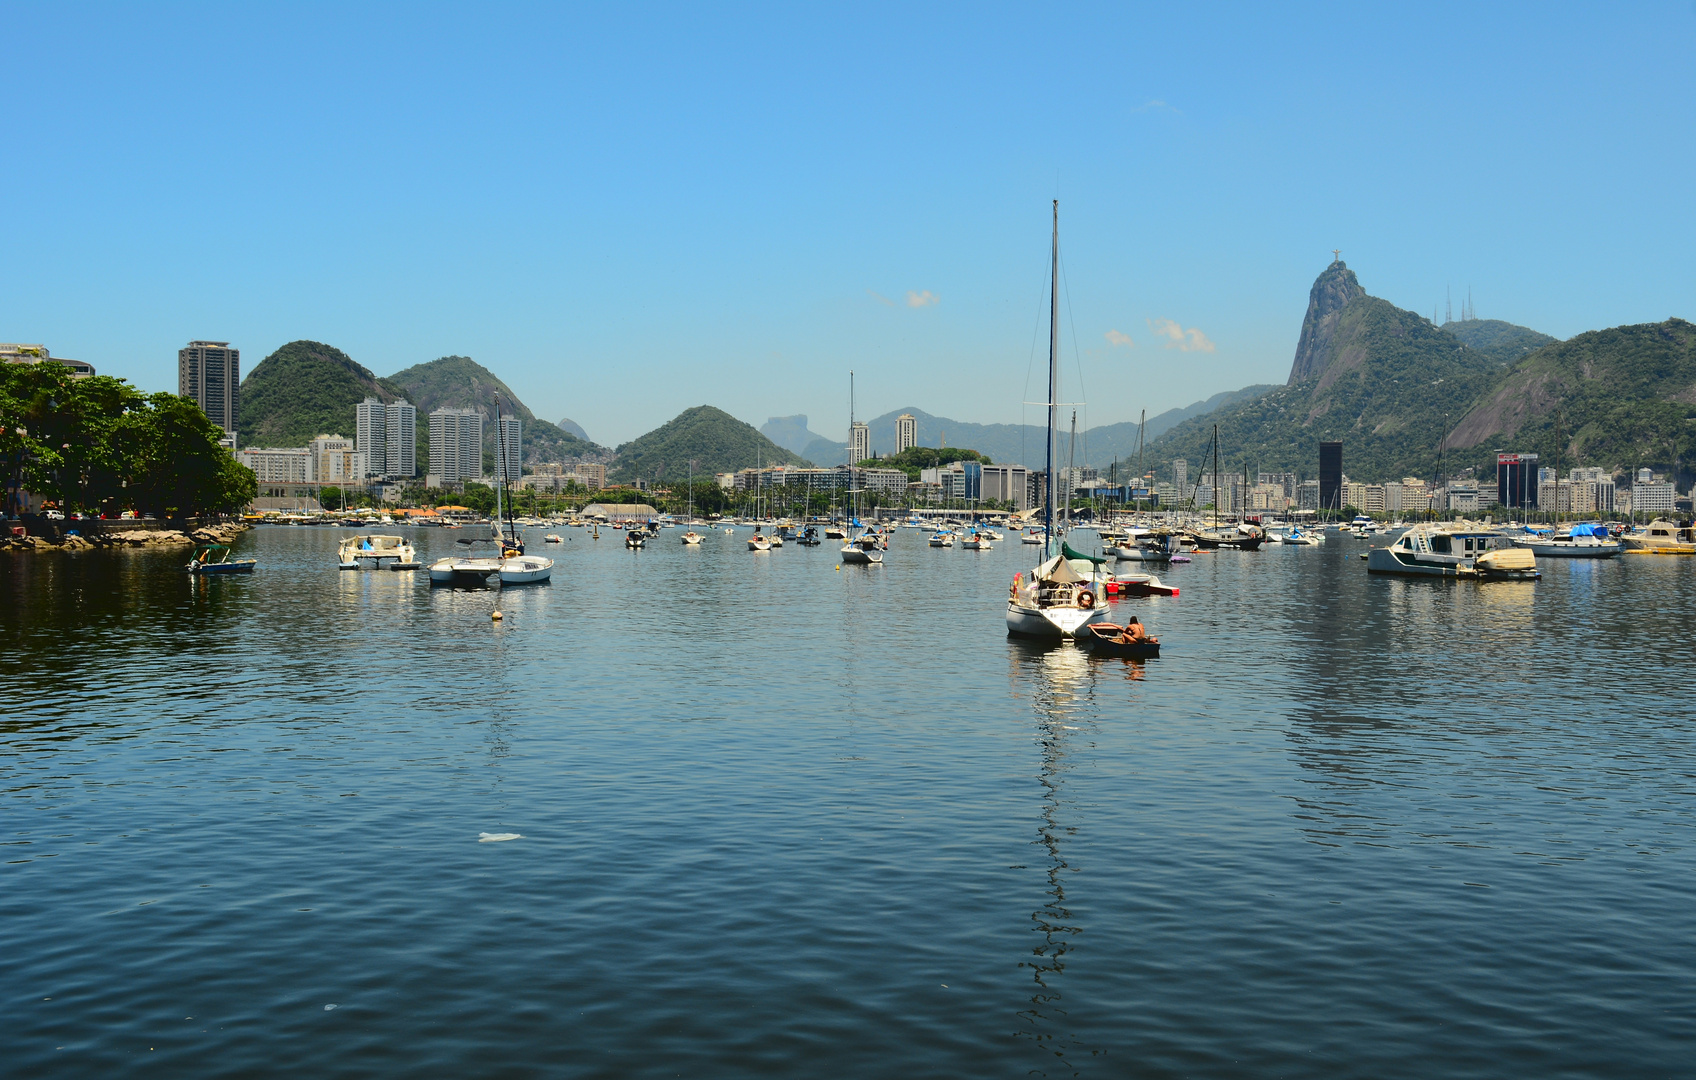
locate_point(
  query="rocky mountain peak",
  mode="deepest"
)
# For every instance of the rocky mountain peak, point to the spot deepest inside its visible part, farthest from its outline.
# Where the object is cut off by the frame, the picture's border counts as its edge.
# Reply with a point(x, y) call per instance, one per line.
point(1331, 292)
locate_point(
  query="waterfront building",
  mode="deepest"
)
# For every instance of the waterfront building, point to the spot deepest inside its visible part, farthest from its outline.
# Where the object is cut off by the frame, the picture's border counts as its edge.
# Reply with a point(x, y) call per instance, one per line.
point(859, 443)
point(38, 354)
point(509, 452)
point(371, 434)
point(595, 475)
point(400, 444)
point(1514, 488)
point(456, 446)
point(335, 461)
point(906, 432)
point(1004, 483)
point(1181, 477)
point(620, 512)
point(290, 465)
point(1652, 498)
point(209, 372)
point(1331, 476)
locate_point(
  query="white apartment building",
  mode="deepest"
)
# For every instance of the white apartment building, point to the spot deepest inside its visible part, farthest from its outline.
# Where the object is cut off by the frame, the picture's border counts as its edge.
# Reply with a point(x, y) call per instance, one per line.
point(291, 465)
point(1652, 498)
point(388, 437)
point(906, 432)
point(335, 461)
point(859, 443)
point(456, 446)
point(509, 450)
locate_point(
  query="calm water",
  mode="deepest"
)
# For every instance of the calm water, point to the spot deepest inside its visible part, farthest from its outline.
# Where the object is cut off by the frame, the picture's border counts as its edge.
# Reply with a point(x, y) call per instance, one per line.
point(784, 819)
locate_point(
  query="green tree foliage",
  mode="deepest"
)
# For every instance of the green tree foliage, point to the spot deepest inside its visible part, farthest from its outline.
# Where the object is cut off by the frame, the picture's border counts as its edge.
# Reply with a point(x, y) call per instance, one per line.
point(303, 390)
point(1498, 341)
point(99, 446)
point(459, 382)
point(715, 440)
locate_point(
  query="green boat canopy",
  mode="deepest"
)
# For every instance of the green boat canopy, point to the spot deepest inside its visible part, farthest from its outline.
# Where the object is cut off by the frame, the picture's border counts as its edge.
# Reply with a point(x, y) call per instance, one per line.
point(1066, 550)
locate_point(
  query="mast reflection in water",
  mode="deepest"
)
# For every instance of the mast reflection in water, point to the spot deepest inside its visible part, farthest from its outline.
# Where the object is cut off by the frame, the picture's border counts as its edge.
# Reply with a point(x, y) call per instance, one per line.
point(1059, 682)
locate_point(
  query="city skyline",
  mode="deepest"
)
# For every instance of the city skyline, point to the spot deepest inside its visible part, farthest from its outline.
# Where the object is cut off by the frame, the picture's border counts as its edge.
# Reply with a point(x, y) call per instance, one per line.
point(739, 207)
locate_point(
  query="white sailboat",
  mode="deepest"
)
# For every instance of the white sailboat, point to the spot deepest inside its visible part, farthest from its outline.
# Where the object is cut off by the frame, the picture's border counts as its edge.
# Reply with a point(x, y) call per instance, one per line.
point(865, 548)
point(517, 568)
point(1063, 594)
point(691, 538)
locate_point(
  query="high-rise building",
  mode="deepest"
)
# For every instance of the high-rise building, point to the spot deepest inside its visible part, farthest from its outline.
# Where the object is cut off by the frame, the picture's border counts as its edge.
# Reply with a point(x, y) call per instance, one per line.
point(400, 443)
point(456, 445)
point(1515, 479)
point(859, 443)
point(209, 372)
point(509, 456)
point(371, 434)
point(906, 432)
point(1181, 477)
point(1330, 476)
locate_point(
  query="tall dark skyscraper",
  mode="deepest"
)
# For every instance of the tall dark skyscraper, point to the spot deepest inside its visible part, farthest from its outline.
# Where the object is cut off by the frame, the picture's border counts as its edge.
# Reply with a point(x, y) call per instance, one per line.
point(1330, 476)
point(210, 373)
point(1516, 479)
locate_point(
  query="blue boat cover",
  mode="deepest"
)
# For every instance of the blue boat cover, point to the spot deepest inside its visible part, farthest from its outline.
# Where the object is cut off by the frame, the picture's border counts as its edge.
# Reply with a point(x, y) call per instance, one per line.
point(1590, 528)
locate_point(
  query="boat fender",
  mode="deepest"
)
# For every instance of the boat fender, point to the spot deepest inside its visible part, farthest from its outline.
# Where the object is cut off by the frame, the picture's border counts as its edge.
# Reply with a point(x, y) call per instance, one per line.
point(1086, 599)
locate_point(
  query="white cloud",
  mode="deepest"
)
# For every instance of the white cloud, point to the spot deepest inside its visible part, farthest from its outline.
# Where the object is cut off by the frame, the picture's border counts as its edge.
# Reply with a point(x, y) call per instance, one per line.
point(1116, 338)
point(922, 299)
point(1191, 340)
point(880, 298)
point(1156, 105)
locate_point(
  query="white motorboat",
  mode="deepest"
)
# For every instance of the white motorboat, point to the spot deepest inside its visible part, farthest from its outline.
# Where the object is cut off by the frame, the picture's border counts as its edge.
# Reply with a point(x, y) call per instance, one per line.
point(1147, 545)
point(691, 538)
point(1031, 536)
point(464, 570)
point(374, 552)
point(552, 539)
point(943, 538)
point(1581, 542)
point(863, 550)
point(1454, 551)
point(523, 569)
point(758, 543)
point(1661, 537)
point(975, 541)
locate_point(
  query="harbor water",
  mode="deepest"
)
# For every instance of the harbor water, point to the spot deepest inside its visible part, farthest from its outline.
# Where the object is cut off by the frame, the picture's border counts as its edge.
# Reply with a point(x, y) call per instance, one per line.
point(779, 817)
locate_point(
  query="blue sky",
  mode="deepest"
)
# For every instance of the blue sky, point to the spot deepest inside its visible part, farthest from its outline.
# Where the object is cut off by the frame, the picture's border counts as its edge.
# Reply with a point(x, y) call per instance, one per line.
point(625, 211)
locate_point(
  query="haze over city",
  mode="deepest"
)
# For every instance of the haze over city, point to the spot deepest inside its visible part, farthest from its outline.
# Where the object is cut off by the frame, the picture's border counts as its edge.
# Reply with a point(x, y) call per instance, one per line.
point(625, 215)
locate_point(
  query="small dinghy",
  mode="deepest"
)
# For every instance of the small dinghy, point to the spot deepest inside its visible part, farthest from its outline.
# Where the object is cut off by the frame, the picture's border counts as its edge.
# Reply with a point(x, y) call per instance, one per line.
point(1103, 640)
point(1142, 585)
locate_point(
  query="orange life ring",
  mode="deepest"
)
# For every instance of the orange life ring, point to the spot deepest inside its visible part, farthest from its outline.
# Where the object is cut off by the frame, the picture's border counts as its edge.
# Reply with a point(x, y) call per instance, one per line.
point(1086, 599)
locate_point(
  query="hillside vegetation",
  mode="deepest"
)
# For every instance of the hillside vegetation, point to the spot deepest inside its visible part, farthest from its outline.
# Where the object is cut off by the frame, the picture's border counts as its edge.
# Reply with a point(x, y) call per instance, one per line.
point(1619, 398)
point(715, 440)
point(459, 382)
point(1502, 342)
point(303, 390)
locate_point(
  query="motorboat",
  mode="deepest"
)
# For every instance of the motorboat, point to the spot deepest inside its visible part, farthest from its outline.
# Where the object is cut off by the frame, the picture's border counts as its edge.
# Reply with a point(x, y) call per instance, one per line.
point(835, 532)
point(465, 570)
point(552, 538)
point(1589, 541)
point(374, 552)
point(1141, 585)
point(1455, 551)
point(635, 538)
point(864, 550)
point(809, 537)
point(1297, 537)
point(1661, 537)
point(215, 559)
point(758, 543)
point(521, 569)
point(1151, 545)
point(691, 538)
point(942, 538)
point(975, 541)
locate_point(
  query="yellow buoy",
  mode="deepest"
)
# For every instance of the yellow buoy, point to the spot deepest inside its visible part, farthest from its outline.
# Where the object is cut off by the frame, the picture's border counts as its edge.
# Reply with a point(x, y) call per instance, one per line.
point(496, 616)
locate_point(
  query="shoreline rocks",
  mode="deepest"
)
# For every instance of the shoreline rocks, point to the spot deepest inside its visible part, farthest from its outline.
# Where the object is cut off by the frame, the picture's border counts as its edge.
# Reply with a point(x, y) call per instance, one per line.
point(222, 533)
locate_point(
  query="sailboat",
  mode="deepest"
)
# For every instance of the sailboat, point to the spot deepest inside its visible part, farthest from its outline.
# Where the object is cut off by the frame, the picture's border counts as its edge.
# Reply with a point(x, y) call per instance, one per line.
point(691, 538)
point(517, 568)
point(1064, 593)
point(863, 549)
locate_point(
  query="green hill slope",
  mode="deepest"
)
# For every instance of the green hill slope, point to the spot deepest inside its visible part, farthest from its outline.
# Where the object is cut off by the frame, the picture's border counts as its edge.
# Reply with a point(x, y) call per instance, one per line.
point(1383, 380)
point(303, 390)
point(715, 440)
point(1500, 341)
point(1620, 398)
point(459, 382)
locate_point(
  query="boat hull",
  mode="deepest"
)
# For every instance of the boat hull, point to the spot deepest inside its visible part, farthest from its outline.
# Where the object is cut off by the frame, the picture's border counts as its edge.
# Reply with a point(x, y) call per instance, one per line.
point(853, 556)
point(236, 566)
point(1557, 550)
point(1054, 622)
point(1100, 640)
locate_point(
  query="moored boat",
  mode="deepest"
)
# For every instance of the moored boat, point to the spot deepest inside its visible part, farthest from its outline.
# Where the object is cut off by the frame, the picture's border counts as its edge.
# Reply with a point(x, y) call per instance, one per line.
point(215, 559)
point(1454, 551)
point(1108, 639)
point(1661, 537)
point(374, 552)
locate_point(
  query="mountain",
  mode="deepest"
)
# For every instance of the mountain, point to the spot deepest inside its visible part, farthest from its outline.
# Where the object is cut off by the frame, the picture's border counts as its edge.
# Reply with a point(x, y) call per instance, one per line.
point(571, 427)
point(459, 382)
point(717, 441)
point(1619, 398)
point(1385, 381)
point(303, 390)
point(1501, 341)
point(790, 432)
point(1018, 443)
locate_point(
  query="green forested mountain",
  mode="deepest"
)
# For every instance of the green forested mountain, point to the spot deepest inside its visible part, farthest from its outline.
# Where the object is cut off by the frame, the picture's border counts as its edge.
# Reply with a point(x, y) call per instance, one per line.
point(1501, 341)
point(1383, 380)
point(715, 440)
point(303, 390)
point(1618, 398)
point(459, 382)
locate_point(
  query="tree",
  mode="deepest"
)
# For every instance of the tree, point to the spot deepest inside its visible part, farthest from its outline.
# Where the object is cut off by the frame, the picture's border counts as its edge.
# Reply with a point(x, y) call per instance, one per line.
point(176, 466)
point(330, 494)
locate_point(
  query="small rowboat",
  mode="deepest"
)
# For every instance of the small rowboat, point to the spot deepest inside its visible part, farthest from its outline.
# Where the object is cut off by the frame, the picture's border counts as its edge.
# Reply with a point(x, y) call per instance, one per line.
point(1102, 639)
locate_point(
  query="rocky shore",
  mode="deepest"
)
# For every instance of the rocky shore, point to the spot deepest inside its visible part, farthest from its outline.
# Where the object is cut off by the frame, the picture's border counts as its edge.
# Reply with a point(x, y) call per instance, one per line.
point(132, 538)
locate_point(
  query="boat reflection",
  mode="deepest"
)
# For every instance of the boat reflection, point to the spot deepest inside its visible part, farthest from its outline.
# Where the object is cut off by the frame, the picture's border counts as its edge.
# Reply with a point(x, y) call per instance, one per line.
point(1060, 680)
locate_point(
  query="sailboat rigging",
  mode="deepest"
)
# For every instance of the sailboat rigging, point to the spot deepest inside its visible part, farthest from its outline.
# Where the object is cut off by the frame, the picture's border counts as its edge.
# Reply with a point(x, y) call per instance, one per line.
point(861, 549)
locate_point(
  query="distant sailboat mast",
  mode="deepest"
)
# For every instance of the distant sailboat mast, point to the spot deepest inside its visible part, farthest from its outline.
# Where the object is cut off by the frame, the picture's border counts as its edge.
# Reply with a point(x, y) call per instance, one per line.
point(1053, 372)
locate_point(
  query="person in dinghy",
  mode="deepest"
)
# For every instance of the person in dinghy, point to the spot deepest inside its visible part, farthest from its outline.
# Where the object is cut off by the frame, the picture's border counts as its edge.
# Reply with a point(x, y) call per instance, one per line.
point(1134, 634)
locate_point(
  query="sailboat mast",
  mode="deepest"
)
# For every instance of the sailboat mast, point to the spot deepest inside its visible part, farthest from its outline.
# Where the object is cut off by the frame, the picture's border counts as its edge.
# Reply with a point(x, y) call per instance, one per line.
point(853, 496)
point(1215, 477)
point(500, 464)
point(1053, 367)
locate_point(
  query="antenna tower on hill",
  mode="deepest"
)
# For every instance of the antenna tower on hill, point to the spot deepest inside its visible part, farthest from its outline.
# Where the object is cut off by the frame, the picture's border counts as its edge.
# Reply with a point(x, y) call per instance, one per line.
point(1448, 305)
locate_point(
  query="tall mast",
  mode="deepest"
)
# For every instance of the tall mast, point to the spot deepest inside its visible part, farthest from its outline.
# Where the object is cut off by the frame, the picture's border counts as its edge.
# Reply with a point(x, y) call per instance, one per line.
point(1215, 477)
point(500, 465)
point(1053, 367)
point(853, 496)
